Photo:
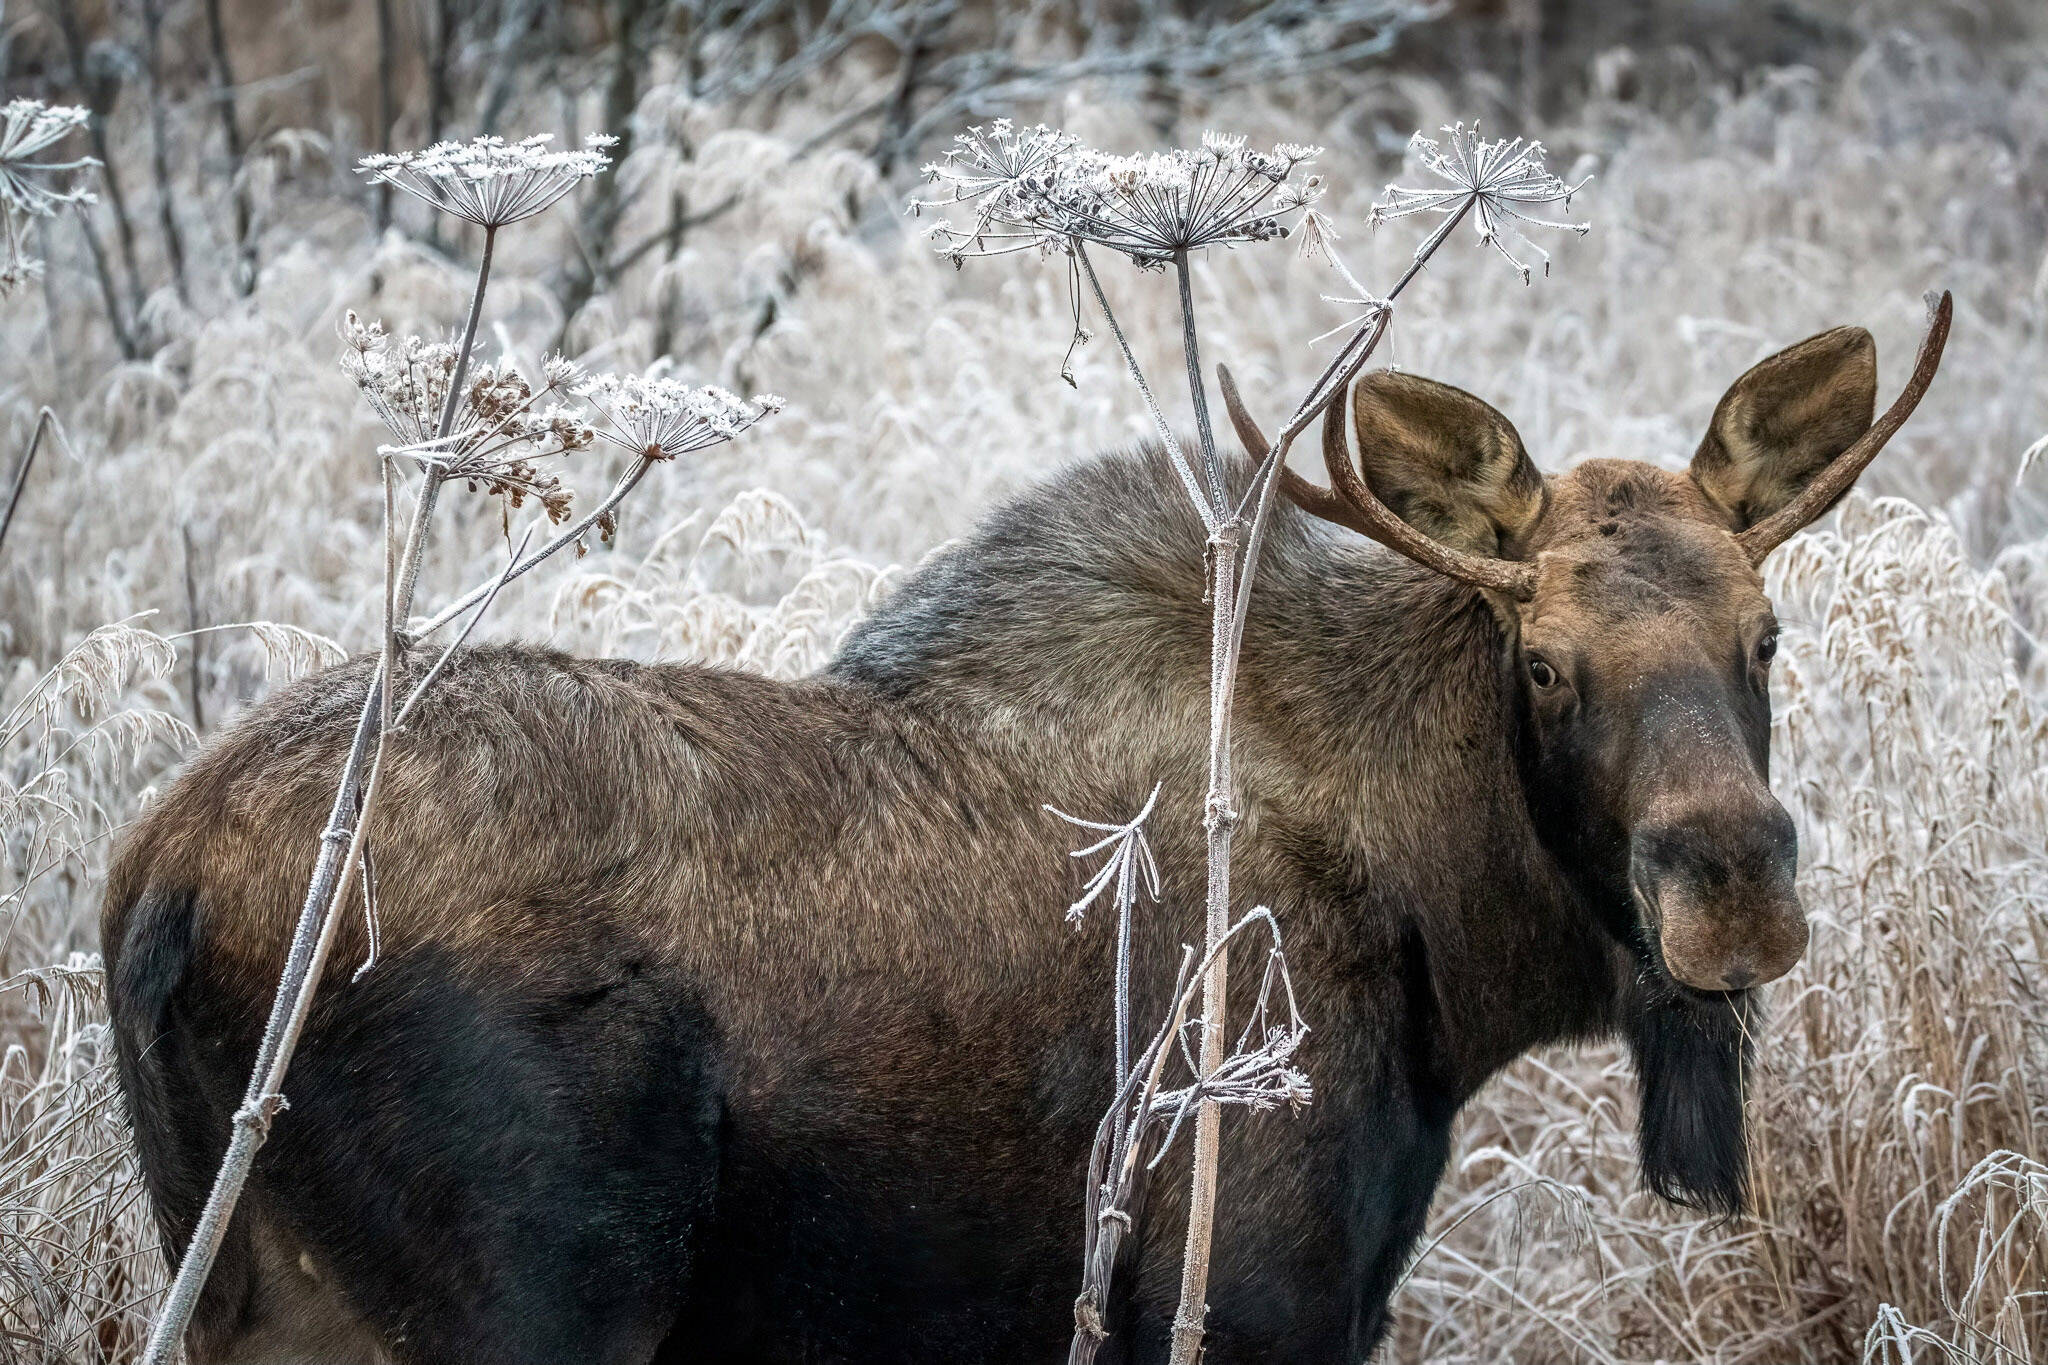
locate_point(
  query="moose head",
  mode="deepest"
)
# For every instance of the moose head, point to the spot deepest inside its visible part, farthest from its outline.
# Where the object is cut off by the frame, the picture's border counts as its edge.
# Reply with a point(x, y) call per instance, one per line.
point(1636, 624)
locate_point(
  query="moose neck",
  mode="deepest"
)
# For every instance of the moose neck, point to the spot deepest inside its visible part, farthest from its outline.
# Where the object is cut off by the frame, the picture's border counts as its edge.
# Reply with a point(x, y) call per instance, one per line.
point(1382, 800)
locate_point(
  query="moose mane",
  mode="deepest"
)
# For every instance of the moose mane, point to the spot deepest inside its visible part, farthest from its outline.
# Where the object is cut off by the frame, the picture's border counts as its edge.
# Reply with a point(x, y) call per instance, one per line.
point(1377, 723)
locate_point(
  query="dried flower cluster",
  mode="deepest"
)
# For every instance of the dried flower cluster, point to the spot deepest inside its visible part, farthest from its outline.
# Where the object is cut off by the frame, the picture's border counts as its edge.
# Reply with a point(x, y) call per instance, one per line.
point(501, 424)
point(487, 180)
point(1498, 180)
point(31, 185)
point(660, 419)
point(1041, 188)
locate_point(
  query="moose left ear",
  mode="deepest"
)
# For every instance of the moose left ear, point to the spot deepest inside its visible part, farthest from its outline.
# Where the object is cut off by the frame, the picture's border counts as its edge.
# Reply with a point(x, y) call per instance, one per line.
point(1785, 421)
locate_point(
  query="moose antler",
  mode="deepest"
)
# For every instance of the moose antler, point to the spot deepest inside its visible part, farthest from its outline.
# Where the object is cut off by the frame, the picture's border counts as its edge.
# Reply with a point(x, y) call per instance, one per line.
point(1825, 487)
point(1349, 502)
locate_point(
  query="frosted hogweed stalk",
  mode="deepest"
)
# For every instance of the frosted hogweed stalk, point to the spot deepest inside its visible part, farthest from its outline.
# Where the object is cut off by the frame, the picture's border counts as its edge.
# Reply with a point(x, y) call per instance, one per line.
point(33, 185)
point(487, 180)
point(1038, 188)
point(661, 419)
point(1129, 870)
point(1494, 181)
point(485, 425)
point(501, 423)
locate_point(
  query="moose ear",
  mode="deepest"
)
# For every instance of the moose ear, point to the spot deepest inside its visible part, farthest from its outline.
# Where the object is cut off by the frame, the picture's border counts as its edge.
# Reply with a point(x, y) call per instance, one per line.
point(1785, 421)
point(1446, 463)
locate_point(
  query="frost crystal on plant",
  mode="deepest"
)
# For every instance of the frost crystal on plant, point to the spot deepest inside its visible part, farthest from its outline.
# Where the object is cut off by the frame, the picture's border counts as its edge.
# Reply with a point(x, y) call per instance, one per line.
point(27, 185)
point(984, 170)
point(33, 187)
point(1041, 188)
point(501, 425)
point(660, 419)
point(487, 180)
point(1498, 180)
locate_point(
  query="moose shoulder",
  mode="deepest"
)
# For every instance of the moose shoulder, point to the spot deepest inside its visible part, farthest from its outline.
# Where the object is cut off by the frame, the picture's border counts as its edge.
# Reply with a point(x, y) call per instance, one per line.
point(715, 1018)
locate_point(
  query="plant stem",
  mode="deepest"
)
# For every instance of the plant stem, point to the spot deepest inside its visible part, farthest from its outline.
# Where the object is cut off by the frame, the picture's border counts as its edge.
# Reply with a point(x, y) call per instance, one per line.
point(46, 420)
point(326, 892)
point(387, 105)
point(1173, 448)
point(1220, 819)
point(430, 488)
point(261, 1100)
point(1233, 549)
point(231, 132)
point(159, 144)
point(625, 485)
point(1212, 467)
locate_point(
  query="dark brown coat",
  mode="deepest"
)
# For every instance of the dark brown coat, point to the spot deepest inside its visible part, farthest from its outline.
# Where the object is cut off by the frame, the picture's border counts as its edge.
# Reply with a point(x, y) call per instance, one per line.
point(719, 1018)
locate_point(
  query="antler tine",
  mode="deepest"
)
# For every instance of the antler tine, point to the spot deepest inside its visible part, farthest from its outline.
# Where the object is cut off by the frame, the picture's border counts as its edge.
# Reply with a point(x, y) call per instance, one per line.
point(1351, 504)
point(1365, 513)
point(1821, 493)
point(1316, 501)
point(1248, 434)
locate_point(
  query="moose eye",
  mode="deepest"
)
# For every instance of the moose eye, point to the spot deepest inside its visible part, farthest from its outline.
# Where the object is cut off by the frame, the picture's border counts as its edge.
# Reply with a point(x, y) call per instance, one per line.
point(1542, 674)
point(1767, 648)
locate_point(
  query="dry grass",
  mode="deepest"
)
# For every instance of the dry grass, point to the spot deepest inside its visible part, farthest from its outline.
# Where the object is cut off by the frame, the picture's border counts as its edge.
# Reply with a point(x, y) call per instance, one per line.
point(1902, 1101)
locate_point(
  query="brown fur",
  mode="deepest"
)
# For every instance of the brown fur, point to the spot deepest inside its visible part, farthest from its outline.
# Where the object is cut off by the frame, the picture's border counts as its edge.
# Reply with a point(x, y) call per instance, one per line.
point(841, 900)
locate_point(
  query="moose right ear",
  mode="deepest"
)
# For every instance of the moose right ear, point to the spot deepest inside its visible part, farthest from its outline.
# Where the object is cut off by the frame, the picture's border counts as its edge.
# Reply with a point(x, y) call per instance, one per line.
point(1446, 463)
point(1785, 421)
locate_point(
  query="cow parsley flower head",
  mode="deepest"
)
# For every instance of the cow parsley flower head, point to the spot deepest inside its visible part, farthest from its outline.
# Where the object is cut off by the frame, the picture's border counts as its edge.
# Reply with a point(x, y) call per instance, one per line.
point(487, 180)
point(661, 419)
point(30, 183)
point(1042, 188)
point(1498, 180)
point(502, 425)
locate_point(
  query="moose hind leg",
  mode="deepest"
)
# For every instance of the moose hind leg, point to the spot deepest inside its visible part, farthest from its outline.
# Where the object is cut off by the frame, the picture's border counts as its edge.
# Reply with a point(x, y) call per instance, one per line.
point(502, 1163)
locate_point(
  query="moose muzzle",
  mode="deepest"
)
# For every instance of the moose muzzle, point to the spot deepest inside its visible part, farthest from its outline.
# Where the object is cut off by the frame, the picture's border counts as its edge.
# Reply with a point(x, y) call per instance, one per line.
point(1716, 882)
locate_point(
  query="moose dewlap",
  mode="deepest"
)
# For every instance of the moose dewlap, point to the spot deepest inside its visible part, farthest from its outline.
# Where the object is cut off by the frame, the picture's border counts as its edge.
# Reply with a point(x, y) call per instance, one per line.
point(718, 1018)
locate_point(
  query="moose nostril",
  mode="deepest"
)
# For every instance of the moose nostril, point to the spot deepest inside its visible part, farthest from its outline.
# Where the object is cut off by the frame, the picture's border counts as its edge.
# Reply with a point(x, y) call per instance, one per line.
point(1735, 978)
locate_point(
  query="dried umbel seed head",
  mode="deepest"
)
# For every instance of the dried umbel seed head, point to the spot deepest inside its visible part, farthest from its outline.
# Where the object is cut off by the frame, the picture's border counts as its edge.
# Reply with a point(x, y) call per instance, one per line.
point(487, 180)
point(34, 183)
point(1042, 189)
point(1498, 180)
point(661, 419)
point(979, 172)
point(501, 423)
point(30, 182)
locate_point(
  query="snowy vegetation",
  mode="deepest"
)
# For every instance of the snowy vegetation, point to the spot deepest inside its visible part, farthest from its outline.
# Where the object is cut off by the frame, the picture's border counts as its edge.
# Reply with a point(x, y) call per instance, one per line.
point(210, 465)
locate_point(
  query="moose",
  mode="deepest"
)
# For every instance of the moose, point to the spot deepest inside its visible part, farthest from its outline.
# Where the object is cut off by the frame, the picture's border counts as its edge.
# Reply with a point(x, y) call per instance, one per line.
point(722, 1018)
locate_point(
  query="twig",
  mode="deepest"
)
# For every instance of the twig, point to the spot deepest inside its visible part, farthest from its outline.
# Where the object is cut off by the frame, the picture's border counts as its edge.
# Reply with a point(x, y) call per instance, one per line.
point(124, 335)
point(511, 562)
point(99, 92)
point(625, 485)
point(159, 143)
point(193, 630)
point(46, 420)
point(430, 488)
point(261, 1100)
point(231, 131)
point(387, 103)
